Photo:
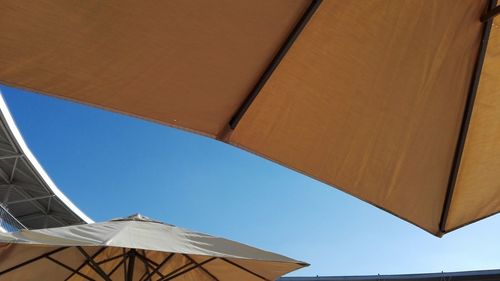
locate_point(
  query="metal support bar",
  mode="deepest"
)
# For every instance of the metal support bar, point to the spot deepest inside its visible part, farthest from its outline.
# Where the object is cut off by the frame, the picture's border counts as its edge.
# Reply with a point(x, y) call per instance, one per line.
point(28, 199)
point(146, 273)
point(69, 268)
point(13, 172)
point(32, 260)
point(37, 205)
point(172, 276)
point(29, 217)
point(4, 157)
point(148, 263)
point(146, 266)
point(157, 269)
point(49, 203)
point(25, 186)
point(94, 265)
point(274, 63)
point(26, 195)
point(8, 221)
point(175, 271)
point(202, 268)
point(245, 269)
point(119, 264)
point(125, 264)
point(7, 150)
point(111, 259)
point(469, 106)
point(7, 195)
point(4, 176)
point(86, 262)
point(491, 14)
point(37, 216)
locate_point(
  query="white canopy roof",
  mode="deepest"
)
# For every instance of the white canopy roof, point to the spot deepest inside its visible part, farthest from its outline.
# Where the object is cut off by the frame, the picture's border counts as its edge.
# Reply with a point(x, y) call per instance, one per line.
point(26, 191)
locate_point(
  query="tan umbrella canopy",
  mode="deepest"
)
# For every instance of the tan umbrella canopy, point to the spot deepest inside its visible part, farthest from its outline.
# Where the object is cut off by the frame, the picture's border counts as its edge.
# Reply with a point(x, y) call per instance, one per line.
point(132, 249)
point(379, 98)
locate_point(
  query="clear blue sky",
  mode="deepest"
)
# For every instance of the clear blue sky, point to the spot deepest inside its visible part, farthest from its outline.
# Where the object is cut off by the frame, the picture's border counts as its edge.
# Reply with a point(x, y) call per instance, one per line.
point(111, 165)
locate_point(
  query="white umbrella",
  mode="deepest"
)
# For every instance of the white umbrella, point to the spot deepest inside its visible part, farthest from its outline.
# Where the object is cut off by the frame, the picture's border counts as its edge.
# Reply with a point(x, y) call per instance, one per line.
point(134, 248)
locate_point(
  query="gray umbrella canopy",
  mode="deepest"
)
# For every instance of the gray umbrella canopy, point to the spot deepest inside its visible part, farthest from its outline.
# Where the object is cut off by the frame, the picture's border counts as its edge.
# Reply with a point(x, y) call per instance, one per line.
point(134, 248)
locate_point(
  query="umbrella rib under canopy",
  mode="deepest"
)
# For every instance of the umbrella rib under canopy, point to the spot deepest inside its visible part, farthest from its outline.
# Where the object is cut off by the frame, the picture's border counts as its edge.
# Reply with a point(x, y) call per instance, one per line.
point(376, 98)
point(469, 106)
point(130, 256)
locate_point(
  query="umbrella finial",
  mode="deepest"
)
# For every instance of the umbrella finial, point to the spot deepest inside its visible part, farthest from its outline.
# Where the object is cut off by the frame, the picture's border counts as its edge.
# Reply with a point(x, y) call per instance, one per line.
point(138, 217)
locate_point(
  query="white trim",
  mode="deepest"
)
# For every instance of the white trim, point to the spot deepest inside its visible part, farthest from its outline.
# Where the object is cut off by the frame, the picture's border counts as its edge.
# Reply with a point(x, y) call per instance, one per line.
point(11, 125)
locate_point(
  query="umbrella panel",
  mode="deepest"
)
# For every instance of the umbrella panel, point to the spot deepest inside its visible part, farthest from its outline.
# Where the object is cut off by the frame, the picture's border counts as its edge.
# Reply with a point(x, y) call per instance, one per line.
point(375, 110)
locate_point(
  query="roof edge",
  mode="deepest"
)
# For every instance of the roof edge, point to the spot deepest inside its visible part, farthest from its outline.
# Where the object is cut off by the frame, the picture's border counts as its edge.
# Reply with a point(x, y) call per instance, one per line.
point(463, 275)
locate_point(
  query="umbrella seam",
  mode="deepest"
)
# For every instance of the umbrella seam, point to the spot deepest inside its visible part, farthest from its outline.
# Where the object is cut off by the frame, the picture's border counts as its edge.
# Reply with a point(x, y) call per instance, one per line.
point(467, 115)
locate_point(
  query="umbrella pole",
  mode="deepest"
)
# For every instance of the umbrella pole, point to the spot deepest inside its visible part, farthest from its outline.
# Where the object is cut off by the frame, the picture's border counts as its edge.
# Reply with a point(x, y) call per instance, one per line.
point(131, 264)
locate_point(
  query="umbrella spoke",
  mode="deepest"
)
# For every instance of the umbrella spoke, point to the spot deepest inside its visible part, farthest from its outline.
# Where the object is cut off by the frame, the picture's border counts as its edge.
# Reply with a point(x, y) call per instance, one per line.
point(125, 264)
point(86, 262)
point(175, 271)
point(144, 275)
point(146, 270)
point(143, 256)
point(147, 262)
point(131, 265)
point(94, 265)
point(110, 259)
point(196, 265)
point(146, 265)
point(74, 271)
point(201, 267)
point(32, 260)
point(119, 264)
point(157, 269)
point(245, 269)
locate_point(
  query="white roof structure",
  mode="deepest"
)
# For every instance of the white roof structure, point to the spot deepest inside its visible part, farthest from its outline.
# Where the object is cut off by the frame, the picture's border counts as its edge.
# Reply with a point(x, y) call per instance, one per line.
point(478, 275)
point(28, 197)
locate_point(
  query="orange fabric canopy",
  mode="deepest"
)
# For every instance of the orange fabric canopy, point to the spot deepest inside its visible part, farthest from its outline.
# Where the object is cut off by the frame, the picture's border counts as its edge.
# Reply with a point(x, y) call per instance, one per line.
point(373, 97)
